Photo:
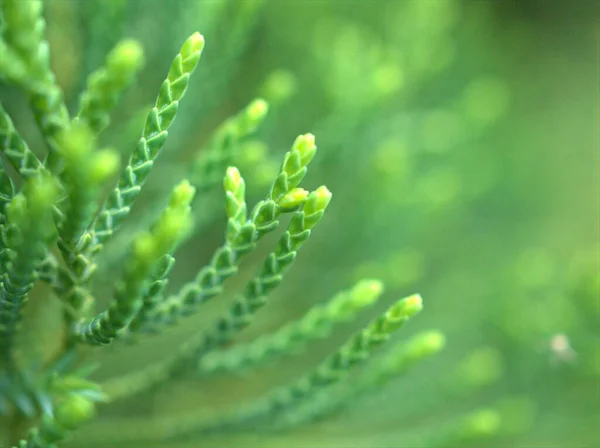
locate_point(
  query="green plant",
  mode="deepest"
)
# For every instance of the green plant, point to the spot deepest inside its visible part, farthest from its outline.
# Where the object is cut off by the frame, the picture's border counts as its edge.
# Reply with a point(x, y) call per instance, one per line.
point(57, 218)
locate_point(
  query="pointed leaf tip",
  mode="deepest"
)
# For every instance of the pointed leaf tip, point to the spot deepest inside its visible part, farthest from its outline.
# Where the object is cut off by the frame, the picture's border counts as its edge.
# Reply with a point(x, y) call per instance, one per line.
point(306, 147)
point(293, 198)
point(407, 307)
point(258, 109)
point(318, 200)
point(233, 179)
point(128, 55)
point(183, 194)
point(413, 304)
point(367, 292)
point(196, 41)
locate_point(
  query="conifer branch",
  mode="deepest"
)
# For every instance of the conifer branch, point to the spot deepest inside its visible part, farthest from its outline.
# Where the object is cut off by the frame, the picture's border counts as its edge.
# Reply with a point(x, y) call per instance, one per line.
point(7, 188)
point(61, 209)
point(24, 29)
point(220, 151)
point(243, 234)
point(152, 297)
point(400, 360)
point(116, 208)
point(148, 250)
point(85, 169)
point(7, 192)
point(153, 138)
point(105, 85)
point(334, 369)
point(318, 323)
point(28, 231)
point(357, 350)
point(22, 159)
point(255, 296)
point(208, 168)
point(273, 268)
point(26, 163)
point(241, 237)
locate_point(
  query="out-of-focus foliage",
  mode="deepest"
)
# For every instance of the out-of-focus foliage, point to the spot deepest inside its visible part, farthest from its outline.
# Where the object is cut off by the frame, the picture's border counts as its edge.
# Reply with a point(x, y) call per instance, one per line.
point(461, 141)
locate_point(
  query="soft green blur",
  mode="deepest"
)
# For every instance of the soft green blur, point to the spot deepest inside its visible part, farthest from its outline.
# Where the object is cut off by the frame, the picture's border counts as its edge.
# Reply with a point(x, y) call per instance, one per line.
point(461, 142)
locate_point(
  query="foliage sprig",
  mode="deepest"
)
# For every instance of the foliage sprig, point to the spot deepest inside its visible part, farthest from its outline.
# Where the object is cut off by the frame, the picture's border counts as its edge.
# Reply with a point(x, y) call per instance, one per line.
point(55, 221)
point(28, 230)
point(316, 324)
point(147, 251)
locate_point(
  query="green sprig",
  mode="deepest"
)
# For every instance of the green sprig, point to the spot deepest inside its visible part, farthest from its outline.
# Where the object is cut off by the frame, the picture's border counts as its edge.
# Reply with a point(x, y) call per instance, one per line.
point(332, 370)
point(316, 324)
point(243, 236)
point(22, 159)
point(24, 28)
point(221, 149)
point(148, 250)
point(271, 274)
point(105, 85)
point(28, 231)
point(400, 360)
point(207, 169)
point(153, 138)
point(152, 298)
point(85, 170)
point(7, 191)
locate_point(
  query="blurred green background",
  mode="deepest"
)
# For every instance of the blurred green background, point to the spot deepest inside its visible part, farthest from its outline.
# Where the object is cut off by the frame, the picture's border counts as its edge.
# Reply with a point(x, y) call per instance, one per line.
point(461, 142)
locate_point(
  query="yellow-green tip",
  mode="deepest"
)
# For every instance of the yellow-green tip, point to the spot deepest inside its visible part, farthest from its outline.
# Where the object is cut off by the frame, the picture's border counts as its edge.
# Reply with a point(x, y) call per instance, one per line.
point(293, 198)
point(318, 200)
point(195, 42)
point(163, 237)
point(410, 306)
point(366, 292)
point(182, 194)
point(258, 109)
point(233, 179)
point(128, 55)
point(306, 147)
point(308, 140)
